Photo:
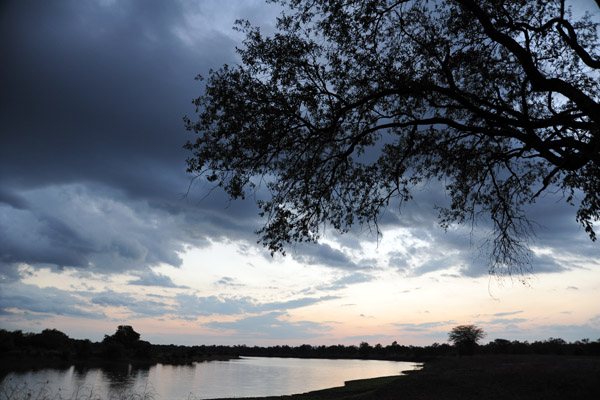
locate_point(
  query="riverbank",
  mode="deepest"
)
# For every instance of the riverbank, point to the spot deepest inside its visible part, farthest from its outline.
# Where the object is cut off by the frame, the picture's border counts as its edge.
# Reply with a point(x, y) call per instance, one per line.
point(514, 377)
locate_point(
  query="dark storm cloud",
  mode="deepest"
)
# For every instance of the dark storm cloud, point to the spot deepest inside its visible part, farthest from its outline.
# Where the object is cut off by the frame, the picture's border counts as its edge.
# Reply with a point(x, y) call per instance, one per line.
point(92, 228)
point(91, 107)
point(90, 91)
point(12, 199)
point(93, 95)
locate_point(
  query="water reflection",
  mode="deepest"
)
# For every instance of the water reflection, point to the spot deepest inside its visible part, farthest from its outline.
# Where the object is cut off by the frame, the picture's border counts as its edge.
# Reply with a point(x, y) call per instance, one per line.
point(251, 376)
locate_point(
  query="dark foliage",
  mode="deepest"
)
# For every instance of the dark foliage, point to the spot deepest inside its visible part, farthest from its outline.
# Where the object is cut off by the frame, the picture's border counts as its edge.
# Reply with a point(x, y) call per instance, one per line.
point(466, 338)
point(353, 103)
point(125, 336)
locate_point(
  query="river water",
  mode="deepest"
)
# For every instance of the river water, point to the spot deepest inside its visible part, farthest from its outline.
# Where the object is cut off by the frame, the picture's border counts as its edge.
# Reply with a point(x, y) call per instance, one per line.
point(246, 377)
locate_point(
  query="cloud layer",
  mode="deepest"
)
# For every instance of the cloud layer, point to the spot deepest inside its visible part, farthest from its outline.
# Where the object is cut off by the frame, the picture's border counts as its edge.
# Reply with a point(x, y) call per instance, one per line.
point(92, 179)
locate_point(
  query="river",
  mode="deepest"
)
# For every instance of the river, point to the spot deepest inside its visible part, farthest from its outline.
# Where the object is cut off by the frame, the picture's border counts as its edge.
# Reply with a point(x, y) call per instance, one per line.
point(245, 377)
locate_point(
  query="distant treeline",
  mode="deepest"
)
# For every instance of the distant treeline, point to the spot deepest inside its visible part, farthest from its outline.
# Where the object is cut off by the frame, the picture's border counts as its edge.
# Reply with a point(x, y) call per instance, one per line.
point(52, 347)
point(399, 352)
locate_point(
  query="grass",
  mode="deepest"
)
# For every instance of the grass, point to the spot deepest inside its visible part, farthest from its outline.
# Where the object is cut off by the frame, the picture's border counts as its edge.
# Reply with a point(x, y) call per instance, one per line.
point(23, 391)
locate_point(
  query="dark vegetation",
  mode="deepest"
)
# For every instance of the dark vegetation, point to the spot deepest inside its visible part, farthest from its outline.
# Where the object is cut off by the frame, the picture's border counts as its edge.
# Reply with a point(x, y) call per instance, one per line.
point(399, 352)
point(52, 348)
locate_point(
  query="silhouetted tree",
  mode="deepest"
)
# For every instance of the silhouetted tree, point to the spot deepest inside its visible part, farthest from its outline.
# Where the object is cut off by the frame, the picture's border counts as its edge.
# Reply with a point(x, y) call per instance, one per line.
point(353, 103)
point(125, 335)
point(364, 349)
point(7, 342)
point(500, 346)
point(52, 339)
point(466, 338)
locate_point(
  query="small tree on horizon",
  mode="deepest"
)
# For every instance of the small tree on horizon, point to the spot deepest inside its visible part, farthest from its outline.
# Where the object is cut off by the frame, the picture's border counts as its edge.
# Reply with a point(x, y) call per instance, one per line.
point(465, 338)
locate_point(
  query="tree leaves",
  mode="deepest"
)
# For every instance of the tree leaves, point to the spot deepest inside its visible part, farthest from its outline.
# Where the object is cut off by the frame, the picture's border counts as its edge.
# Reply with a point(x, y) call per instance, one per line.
point(352, 103)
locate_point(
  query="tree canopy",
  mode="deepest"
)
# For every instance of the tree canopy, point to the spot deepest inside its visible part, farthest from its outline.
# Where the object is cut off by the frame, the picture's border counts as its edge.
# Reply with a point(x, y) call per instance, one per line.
point(124, 335)
point(352, 103)
point(466, 338)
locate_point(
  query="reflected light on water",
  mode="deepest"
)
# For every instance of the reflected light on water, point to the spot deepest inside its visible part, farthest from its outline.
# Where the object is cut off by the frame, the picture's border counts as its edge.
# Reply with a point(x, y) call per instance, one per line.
point(248, 376)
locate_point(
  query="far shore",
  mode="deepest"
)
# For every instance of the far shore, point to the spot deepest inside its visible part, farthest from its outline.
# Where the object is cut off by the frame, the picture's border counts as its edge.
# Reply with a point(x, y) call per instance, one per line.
point(21, 363)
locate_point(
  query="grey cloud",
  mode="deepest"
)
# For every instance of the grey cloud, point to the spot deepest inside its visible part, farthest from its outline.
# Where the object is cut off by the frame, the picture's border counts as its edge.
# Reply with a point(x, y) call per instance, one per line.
point(546, 264)
point(298, 303)
point(453, 249)
point(345, 281)
point(436, 264)
point(424, 326)
point(87, 228)
point(228, 281)
point(47, 300)
point(271, 326)
point(103, 115)
point(112, 299)
point(324, 254)
point(149, 308)
point(504, 314)
point(151, 278)
point(12, 199)
point(466, 249)
point(190, 305)
point(399, 260)
point(507, 321)
point(511, 328)
point(9, 272)
point(193, 306)
point(93, 227)
point(142, 308)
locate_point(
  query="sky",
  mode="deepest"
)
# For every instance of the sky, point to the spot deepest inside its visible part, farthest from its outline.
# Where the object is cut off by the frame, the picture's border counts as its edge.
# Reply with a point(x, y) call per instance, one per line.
point(100, 225)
